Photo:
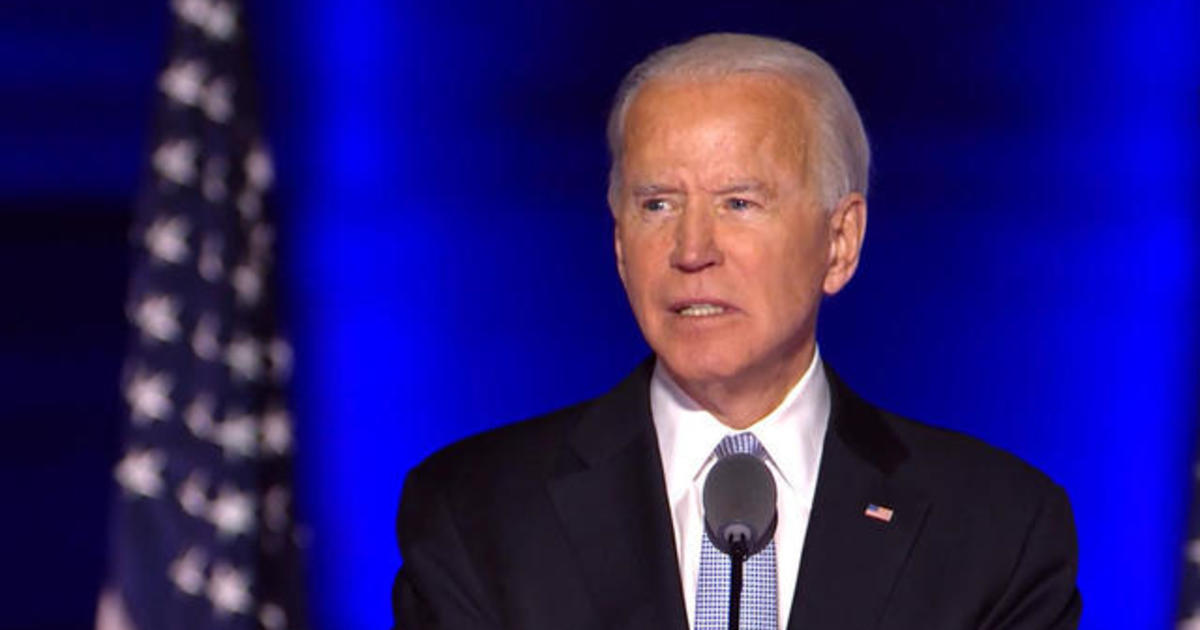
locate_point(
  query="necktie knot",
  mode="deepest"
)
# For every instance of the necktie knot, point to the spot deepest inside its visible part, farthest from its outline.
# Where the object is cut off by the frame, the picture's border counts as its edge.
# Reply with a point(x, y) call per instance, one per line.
point(740, 443)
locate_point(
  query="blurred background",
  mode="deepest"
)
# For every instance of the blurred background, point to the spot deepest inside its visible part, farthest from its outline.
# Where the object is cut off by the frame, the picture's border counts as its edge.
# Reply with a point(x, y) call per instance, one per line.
point(1031, 273)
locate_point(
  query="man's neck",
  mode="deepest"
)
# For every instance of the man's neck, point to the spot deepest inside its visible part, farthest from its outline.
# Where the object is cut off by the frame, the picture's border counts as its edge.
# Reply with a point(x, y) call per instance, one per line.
point(739, 403)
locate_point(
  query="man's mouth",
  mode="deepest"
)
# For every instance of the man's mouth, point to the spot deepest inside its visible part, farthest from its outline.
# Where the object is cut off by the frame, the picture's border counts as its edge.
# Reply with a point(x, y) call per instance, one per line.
point(700, 310)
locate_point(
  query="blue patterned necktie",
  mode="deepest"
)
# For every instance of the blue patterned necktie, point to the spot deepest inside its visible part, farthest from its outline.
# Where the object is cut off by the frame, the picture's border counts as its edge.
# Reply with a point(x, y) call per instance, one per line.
point(758, 608)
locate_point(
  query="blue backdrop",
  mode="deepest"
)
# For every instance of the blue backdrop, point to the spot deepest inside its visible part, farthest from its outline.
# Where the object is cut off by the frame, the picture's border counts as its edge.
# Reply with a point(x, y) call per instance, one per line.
point(1030, 273)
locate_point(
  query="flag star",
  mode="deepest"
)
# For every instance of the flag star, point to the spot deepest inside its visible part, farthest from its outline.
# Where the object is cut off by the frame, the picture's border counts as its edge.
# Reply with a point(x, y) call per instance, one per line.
point(199, 416)
point(249, 204)
point(184, 81)
point(204, 338)
point(175, 160)
point(149, 397)
point(259, 171)
point(261, 239)
point(140, 472)
point(244, 358)
point(229, 590)
point(158, 317)
point(192, 11)
point(237, 436)
point(111, 613)
point(1190, 623)
point(247, 283)
point(212, 267)
point(275, 508)
point(193, 494)
point(277, 431)
point(217, 100)
point(1193, 551)
point(232, 512)
point(167, 239)
point(280, 353)
point(213, 185)
point(221, 22)
point(187, 571)
point(271, 617)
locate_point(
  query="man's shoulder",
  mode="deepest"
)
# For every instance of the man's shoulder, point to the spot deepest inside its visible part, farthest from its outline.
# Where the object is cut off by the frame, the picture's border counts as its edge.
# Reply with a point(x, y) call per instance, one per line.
point(528, 447)
point(954, 465)
point(543, 446)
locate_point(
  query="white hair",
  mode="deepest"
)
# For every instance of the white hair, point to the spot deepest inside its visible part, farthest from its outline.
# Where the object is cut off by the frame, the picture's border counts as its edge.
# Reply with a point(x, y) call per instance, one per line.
point(841, 155)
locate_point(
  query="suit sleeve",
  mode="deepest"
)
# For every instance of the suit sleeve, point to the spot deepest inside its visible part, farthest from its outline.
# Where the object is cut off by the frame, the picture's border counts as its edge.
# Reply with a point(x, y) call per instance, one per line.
point(1042, 595)
point(436, 586)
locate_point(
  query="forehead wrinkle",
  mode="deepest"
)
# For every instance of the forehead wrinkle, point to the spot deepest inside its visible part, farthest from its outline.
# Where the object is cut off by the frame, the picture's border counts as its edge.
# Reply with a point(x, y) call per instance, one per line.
point(653, 137)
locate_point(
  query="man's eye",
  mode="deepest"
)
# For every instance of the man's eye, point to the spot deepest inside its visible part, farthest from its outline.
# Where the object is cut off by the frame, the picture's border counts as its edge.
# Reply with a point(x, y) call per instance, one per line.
point(737, 203)
point(654, 205)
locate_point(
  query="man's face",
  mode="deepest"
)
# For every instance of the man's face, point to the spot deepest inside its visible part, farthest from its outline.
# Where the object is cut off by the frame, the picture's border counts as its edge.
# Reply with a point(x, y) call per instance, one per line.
point(721, 246)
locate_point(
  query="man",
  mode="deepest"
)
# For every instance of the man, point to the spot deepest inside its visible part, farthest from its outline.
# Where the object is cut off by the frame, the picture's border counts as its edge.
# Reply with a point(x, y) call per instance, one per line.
point(738, 190)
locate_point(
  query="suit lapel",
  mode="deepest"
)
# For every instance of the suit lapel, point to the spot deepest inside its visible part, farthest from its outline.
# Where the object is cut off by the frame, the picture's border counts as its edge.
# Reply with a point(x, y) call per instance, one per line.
point(851, 561)
point(611, 499)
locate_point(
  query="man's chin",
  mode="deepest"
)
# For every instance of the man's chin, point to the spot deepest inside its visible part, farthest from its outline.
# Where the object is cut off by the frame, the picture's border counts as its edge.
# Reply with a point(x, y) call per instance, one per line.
point(691, 369)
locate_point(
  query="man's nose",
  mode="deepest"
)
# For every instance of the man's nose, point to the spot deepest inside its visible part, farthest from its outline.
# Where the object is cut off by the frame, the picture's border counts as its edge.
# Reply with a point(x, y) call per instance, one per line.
point(695, 241)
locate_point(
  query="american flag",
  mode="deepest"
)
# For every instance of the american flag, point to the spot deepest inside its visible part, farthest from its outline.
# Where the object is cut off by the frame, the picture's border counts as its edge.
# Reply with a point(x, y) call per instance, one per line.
point(203, 529)
point(879, 512)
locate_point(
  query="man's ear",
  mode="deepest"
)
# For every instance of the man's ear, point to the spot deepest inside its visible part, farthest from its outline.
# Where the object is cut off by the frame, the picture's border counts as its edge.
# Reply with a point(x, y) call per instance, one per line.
point(847, 227)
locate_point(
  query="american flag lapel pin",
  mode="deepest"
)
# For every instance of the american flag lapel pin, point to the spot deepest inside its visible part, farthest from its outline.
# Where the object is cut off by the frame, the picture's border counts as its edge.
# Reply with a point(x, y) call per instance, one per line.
point(879, 512)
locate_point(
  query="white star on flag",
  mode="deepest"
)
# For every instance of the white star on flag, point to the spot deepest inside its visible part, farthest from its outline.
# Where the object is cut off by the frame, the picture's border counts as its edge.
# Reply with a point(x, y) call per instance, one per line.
point(237, 435)
point(167, 239)
point(228, 590)
point(1191, 623)
point(210, 264)
point(232, 512)
point(187, 571)
point(175, 160)
point(280, 353)
point(244, 358)
point(277, 431)
point(275, 508)
point(199, 416)
point(204, 339)
point(222, 21)
point(262, 238)
point(217, 100)
point(259, 172)
point(149, 397)
point(140, 472)
point(1193, 551)
point(248, 284)
point(194, 12)
point(249, 204)
point(216, 19)
point(184, 81)
point(158, 317)
point(272, 617)
point(193, 494)
point(216, 169)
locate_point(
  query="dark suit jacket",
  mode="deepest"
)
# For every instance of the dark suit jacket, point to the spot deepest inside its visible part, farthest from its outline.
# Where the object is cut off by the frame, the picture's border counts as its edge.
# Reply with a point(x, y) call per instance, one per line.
point(561, 522)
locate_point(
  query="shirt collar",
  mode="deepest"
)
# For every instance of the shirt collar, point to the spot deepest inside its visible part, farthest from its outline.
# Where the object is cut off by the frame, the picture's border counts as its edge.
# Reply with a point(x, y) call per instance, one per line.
point(791, 433)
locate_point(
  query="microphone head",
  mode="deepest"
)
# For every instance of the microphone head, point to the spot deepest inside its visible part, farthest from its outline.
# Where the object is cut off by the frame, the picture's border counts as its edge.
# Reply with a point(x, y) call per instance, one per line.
point(739, 504)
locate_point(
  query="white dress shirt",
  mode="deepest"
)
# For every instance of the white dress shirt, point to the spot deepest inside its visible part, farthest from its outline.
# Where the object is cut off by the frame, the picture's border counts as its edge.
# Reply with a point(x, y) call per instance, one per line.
point(792, 434)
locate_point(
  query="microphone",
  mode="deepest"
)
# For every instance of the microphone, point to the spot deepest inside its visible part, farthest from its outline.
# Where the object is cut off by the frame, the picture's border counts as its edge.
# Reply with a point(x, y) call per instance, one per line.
point(739, 515)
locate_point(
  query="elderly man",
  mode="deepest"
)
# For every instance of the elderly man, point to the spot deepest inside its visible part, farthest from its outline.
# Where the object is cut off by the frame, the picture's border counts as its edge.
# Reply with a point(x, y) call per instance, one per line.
point(738, 187)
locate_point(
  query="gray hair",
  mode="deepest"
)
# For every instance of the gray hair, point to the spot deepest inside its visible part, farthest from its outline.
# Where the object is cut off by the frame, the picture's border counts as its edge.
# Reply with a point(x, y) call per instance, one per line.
point(842, 155)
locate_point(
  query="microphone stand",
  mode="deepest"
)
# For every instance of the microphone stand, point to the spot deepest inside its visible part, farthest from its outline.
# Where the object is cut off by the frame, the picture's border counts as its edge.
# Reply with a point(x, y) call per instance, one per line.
point(737, 556)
